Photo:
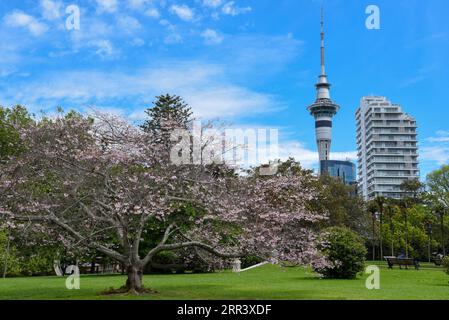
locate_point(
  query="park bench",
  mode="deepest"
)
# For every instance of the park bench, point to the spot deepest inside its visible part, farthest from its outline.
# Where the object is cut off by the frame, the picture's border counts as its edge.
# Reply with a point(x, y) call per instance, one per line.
point(402, 262)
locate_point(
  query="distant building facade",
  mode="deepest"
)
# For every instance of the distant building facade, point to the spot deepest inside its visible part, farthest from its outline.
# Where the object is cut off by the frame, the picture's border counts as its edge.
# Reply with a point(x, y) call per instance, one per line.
point(343, 170)
point(387, 148)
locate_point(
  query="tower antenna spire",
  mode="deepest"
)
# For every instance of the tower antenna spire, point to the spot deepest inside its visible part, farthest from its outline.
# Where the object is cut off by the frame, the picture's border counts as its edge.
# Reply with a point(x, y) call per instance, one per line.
point(323, 69)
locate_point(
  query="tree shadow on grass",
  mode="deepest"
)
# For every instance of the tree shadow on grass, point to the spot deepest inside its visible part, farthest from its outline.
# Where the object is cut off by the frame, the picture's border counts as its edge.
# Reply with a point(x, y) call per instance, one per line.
point(441, 285)
point(123, 291)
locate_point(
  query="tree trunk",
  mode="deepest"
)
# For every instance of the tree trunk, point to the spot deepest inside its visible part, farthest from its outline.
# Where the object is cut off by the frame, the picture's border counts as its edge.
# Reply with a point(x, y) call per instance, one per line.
point(406, 238)
point(392, 235)
point(406, 232)
point(5, 267)
point(134, 281)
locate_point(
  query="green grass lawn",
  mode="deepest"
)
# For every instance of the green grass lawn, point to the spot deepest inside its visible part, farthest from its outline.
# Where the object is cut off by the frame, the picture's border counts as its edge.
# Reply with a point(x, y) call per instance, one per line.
point(268, 282)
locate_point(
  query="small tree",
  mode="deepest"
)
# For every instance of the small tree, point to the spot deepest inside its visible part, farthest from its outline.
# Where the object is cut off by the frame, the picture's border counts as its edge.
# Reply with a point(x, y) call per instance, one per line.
point(345, 252)
point(438, 184)
point(390, 212)
point(9, 262)
point(168, 112)
point(344, 207)
point(446, 264)
point(414, 189)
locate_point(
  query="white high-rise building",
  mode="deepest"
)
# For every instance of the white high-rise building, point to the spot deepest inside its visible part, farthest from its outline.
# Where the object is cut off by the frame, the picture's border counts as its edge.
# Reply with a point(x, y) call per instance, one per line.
point(387, 148)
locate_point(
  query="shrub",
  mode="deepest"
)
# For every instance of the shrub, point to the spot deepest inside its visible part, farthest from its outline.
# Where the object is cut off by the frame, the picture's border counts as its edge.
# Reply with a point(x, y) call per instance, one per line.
point(345, 253)
point(446, 264)
point(37, 264)
point(8, 256)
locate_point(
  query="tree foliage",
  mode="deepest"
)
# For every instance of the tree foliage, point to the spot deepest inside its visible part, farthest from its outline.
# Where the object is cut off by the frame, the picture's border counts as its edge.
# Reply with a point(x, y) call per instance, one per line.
point(345, 250)
point(103, 184)
point(10, 119)
point(446, 264)
point(438, 184)
point(168, 112)
point(344, 207)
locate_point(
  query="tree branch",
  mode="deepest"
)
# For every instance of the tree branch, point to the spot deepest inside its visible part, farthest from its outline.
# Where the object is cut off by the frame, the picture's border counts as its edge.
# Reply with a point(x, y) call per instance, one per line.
point(196, 244)
point(51, 217)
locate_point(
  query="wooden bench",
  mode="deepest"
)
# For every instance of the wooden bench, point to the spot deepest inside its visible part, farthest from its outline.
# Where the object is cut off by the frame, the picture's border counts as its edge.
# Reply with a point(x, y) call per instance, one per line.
point(402, 262)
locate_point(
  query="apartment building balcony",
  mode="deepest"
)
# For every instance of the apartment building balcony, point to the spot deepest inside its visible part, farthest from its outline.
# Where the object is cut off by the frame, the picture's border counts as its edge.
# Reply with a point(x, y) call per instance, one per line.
point(389, 123)
point(400, 145)
point(385, 155)
point(377, 138)
point(383, 168)
point(392, 171)
point(393, 161)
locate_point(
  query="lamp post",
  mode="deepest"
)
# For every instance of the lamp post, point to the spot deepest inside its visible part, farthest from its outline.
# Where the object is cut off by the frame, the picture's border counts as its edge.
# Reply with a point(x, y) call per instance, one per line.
point(374, 215)
point(404, 210)
point(389, 212)
point(429, 232)
point(381, 209)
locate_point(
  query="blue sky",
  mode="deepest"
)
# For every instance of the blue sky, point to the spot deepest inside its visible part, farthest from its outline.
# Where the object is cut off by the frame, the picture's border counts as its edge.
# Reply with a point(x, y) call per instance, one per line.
point(251, 63)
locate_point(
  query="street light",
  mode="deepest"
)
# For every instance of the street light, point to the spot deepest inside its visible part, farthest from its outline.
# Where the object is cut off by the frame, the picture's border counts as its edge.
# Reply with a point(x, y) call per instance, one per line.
point(429, 232)
point(375, 216)
point(381, 213)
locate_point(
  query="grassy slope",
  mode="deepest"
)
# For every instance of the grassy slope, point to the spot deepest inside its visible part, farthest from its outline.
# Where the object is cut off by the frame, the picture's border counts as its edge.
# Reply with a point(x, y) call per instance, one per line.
point(268, 282)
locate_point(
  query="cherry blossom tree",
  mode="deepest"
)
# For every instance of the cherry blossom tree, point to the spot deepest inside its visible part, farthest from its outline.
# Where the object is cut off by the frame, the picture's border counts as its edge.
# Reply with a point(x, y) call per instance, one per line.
point(103, 184)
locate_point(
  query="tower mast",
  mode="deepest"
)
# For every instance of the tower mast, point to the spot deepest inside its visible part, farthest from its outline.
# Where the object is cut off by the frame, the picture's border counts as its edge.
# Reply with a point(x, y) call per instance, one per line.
point(323, 70)
point(323, 109)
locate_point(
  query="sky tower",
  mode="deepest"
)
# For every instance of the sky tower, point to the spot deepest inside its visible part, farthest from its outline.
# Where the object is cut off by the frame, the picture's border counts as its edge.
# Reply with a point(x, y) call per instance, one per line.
point(324, 109)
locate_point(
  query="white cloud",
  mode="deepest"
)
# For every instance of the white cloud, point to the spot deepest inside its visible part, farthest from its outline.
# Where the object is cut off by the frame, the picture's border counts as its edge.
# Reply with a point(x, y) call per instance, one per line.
point(438, 148)
point(212, 3)
point(227, 101)
point(442, 136)
point(128, 24)
point(108, 6)
point(23, 20)
point(205, 87)
point(93, 31)
point(289, 148)
point(230, 9)
point(438, 154)
point(308, 157)
point(138, 4)
point(211, 36)
point(153, 13)
point(260, 54)
point(51, 10)
point(103, 48)
point(167, 24)
point(183, 12)
point(419, 76)
point(173, 38)
point(137, 42)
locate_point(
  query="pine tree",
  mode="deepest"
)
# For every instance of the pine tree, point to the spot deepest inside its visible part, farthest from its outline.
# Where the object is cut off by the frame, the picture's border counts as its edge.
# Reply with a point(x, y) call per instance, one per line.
point(169, 112)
